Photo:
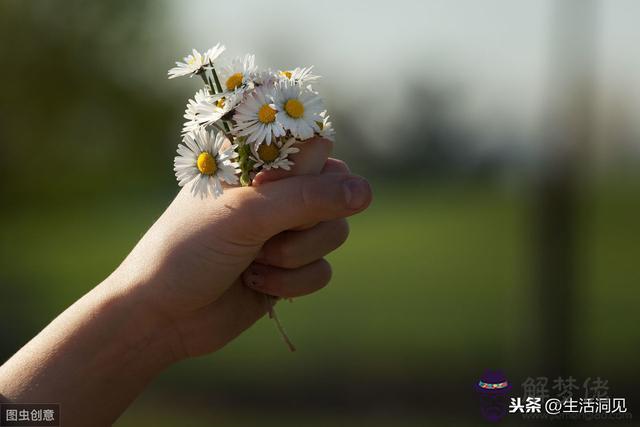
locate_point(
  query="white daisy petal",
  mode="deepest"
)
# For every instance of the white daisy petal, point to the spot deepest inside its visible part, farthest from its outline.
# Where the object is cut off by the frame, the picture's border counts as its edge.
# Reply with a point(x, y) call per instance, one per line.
point(192, 65)
point(202, 162)
point(273, 156)
point(213, 53)
point(298, 108)
point(239, 75)
point(256, 117)
point(298, 75)
point(326, 127)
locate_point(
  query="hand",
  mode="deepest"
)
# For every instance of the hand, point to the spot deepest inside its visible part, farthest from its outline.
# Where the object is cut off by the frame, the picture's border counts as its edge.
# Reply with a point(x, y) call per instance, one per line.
point(180, 292)
point(188, 269)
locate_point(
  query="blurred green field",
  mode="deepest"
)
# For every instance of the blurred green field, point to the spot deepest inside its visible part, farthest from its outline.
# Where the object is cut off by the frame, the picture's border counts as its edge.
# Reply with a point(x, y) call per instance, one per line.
point(434, 281)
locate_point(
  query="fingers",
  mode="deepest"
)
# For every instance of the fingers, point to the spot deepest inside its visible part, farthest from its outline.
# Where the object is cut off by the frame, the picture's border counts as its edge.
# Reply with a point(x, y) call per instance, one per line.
point(286, 283)
point(335, 166)
point(276, 206)
point(311, 157)
point(309, 160)
point(331, 166)
point(293, 249)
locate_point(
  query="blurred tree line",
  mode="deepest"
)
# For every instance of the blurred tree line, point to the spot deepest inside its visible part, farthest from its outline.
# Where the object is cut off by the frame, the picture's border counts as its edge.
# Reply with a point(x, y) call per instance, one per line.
point(80, 113)
point(71, 121)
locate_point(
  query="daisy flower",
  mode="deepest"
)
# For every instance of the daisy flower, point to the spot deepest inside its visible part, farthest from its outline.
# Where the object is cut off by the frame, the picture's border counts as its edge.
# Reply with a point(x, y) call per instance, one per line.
point(273, 156)
point(266, 77)
point(213, 107)
point(299, 75)
point(255, 118)
point(191, 113)
point(326, 127)
point(195, 63)
point(203, 161)
point(298, 109)
point(238, 75)
point(213, 54)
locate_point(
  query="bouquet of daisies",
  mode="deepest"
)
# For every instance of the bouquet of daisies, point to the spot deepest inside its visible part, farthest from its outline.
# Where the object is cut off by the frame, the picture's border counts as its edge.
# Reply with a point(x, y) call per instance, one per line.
point(243, 120)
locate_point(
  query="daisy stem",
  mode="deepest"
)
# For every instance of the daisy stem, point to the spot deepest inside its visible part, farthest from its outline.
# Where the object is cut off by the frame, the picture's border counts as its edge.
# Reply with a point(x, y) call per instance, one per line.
point(243, 149)
point(219, 88)
point(245, 163)
point(224, 131)
point(215, 77)
point(206, 81)
point(271, 301)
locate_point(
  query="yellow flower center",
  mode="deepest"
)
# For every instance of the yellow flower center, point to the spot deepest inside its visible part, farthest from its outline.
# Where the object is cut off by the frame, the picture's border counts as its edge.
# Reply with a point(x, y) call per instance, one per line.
point(294, 108)
point(266, 114)
point(220, 102)
point(234, 81)
point(191, 60)
point(207, 164)
point(287, 74)
point(268, 153)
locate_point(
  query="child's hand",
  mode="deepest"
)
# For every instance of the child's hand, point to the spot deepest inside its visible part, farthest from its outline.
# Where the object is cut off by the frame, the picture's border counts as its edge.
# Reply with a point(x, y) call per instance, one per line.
point(192, 284)
point(189, 268)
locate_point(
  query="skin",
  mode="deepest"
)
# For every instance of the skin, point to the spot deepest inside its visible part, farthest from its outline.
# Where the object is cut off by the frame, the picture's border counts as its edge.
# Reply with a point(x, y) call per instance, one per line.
point(196, 280)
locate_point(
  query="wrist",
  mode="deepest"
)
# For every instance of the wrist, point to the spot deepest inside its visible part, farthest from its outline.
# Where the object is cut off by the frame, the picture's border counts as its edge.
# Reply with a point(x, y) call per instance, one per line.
point(143, 333)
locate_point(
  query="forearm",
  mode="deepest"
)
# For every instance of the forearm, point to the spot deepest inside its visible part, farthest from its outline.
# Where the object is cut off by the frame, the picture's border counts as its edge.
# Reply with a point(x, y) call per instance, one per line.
point(93, 359)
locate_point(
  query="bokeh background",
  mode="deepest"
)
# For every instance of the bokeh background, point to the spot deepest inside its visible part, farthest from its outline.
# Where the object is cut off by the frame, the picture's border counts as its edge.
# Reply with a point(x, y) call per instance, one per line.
point(503, 143)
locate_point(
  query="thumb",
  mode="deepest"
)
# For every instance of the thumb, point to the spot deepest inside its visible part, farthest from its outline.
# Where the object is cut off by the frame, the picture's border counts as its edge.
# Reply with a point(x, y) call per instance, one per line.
point(288, 203)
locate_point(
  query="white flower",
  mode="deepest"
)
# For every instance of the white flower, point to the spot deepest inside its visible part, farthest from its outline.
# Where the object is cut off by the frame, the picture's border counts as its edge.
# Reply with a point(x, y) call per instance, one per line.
point(203, 161)
point(195, 63)
point(266, 77)
point(326, 127)
point(213, 54)
point(213, 107)
point(192, 109)
point(298, 109)
point(273, 156)
point(299, 75)
point(238, 76)
point(255, 118)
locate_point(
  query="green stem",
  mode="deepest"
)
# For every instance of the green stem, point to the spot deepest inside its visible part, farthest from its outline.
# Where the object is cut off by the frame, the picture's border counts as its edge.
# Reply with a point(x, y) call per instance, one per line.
point(225, 132)
point(246, 164)
point(271, 310)
point(206, 81)
point(219, 88)
point(215, 77)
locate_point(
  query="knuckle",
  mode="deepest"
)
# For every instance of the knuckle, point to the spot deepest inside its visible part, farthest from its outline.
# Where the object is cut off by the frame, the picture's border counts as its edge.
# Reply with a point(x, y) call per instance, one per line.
point(342, 165)
point(283, 254)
